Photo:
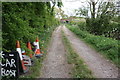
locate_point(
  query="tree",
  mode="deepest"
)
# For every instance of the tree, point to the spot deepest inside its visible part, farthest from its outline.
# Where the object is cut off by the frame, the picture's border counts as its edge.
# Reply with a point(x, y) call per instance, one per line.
point(54, 2)
point(101, 12)
point(82, 12)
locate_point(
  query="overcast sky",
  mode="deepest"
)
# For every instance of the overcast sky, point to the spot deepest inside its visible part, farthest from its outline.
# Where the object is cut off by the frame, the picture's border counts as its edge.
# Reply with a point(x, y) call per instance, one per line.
point(70, 5)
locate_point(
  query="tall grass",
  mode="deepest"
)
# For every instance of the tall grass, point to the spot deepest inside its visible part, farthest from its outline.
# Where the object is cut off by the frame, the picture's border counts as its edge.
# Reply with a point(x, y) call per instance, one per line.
point(106, 46)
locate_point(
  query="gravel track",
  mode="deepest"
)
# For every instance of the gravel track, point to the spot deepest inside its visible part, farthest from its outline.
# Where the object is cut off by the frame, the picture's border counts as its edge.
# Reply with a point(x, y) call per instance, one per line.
point(55, 64)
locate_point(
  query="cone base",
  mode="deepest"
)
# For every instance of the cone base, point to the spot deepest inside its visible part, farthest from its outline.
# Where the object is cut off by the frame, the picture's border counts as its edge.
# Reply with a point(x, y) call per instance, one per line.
point(39, 55)
point(38, 52)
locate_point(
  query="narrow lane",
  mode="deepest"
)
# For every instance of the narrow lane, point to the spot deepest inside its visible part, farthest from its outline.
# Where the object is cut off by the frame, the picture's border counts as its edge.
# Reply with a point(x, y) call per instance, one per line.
point(55, 65)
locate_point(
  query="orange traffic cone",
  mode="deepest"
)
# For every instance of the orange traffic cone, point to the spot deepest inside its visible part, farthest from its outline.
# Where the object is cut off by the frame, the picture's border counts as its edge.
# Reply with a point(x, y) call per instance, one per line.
point(37, 52)
point(30, 48)
point(20, 54)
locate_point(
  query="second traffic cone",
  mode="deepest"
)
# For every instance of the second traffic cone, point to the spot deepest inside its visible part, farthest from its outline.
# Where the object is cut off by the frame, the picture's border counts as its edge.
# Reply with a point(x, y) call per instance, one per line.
point(24, 68)
point(30, 48)
point(37, 52)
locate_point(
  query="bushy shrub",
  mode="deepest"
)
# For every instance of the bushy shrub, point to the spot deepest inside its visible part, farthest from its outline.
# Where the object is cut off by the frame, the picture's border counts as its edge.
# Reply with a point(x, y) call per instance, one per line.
point(114, 31)
point(82, 25)
point(101, 26)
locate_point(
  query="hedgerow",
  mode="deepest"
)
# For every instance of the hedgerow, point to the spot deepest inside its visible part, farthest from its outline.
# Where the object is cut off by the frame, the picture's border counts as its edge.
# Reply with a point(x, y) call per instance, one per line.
point(24, 21)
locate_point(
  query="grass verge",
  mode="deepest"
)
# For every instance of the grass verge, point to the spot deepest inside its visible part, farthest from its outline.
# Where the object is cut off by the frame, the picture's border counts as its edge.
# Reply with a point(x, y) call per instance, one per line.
point(80, 70)
point(106, 46)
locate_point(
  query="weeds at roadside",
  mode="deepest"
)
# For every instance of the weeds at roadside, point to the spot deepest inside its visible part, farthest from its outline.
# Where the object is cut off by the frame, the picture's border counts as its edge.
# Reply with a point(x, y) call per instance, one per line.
point(80, 70)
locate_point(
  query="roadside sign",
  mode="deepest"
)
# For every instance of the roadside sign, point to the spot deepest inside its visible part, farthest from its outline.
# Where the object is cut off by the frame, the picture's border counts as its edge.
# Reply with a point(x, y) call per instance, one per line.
point(10, 64)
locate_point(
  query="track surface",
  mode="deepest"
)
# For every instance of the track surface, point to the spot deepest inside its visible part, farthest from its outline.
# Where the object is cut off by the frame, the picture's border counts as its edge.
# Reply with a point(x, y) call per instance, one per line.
point(55, 65)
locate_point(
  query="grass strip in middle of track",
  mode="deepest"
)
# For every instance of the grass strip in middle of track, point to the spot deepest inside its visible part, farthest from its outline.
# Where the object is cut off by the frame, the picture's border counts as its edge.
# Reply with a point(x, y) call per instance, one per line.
point(80, 70)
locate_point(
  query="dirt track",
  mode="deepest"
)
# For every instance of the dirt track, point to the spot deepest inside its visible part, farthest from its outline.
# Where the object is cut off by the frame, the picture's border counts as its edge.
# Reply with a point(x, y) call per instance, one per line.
point(101, 67)
point(55, 65)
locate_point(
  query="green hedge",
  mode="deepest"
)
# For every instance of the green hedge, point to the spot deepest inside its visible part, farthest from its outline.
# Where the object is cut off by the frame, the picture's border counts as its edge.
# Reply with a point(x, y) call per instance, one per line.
point(107, 46)
point(24, 22)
